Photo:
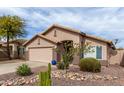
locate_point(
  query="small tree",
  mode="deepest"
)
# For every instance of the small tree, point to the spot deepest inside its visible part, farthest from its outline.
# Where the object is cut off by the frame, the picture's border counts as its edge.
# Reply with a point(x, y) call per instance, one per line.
point(69, 50)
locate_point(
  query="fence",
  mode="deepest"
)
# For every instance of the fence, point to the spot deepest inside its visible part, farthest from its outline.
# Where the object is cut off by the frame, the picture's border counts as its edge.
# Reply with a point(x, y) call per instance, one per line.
point(117, 57)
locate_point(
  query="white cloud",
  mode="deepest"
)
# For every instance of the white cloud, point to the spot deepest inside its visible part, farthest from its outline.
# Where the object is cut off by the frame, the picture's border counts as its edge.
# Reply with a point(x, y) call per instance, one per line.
point(104, 22)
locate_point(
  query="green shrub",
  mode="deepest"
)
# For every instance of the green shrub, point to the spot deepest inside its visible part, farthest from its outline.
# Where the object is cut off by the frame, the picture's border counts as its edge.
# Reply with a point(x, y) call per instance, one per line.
point(23, 70)
point(60, 65)
point(90, 65)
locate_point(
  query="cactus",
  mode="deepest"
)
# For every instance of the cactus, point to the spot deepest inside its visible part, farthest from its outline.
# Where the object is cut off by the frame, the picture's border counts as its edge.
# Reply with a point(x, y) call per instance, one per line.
point(45, 77)
point(49, 70)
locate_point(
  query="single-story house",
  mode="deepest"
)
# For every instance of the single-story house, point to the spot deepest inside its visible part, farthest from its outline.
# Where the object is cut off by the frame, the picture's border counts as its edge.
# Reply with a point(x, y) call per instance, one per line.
point(16, 49)
point(41, 46)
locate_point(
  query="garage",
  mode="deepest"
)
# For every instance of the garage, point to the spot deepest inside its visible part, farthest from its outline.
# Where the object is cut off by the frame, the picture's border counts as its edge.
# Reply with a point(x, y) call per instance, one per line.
point(42, 54)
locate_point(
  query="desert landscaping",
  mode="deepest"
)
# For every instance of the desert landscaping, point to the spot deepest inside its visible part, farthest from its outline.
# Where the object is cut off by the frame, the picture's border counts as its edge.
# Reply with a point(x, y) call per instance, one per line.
point(57, 56)
point(109, 76)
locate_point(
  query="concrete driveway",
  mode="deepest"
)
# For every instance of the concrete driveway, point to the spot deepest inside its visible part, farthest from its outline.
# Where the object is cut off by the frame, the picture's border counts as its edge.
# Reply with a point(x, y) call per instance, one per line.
point(10, 66)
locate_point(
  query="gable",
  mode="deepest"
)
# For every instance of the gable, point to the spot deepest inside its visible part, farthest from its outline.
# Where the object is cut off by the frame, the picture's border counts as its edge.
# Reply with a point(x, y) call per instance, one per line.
point(41, 36)
point(62, 34)
point(37, 41)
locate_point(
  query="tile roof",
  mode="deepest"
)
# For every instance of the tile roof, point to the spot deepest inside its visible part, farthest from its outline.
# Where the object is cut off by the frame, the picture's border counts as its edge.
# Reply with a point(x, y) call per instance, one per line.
point(72, 30)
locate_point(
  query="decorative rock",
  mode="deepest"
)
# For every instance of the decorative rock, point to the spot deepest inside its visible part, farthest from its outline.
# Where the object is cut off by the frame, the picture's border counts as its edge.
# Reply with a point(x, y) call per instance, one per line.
point(31, 81)
point(72, 78)
point(85, 78)
point(77, 76)
point(15, 83)
point(109, 77)
point(9, 83)
point(115, 78)
point(21, 83)
point(82, 79)
point(78, 79)
point(27, 82)
point(58, 75)
point(97, 77)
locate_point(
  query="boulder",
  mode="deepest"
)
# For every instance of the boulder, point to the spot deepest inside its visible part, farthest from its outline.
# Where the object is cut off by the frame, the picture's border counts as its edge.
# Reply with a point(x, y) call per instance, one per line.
point(108, 77)
point(78, 79)
point(115, 78)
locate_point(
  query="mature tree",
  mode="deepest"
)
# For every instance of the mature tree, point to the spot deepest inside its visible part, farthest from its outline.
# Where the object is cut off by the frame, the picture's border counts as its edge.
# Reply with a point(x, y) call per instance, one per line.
point(11, 27)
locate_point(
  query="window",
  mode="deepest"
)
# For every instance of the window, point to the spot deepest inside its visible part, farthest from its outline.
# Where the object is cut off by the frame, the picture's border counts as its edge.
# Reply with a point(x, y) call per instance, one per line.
point(39, 41)
point(91, 54)
point(99, 52)
point(55, 33)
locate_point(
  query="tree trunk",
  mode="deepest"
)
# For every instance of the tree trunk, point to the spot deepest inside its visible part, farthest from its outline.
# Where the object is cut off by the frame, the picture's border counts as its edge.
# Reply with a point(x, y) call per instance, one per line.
point(8, 49)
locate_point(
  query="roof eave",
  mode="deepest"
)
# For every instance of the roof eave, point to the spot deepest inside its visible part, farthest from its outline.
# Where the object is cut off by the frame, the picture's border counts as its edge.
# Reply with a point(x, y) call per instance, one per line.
point(25, 44)
point(62, 27)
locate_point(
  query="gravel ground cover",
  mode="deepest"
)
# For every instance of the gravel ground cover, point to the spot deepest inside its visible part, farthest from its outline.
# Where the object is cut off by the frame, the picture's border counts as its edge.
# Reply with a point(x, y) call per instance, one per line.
point(109, 76)
point(12, 79)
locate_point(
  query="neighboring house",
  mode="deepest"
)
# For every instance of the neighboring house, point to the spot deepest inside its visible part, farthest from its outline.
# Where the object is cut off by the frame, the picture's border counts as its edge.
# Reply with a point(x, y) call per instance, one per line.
point(16, 49)
point(41, 46)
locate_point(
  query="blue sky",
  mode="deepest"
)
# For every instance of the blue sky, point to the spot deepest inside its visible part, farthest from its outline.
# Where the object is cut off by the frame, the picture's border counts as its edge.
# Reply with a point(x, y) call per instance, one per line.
point(107, 23)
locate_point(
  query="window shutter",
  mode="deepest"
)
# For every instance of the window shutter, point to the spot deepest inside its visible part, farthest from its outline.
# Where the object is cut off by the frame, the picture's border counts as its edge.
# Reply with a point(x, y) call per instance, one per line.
point(99, 52)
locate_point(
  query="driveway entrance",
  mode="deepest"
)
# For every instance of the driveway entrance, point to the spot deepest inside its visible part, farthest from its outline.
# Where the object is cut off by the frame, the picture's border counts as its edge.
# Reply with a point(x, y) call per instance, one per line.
point(10, 66)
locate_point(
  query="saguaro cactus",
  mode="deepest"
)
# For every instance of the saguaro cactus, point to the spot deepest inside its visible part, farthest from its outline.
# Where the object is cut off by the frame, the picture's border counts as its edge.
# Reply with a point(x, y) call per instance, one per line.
point(49, 70)
point(45, 77)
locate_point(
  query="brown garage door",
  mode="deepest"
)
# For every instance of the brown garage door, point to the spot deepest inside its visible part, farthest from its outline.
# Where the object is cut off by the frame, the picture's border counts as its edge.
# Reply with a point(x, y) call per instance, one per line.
point(40, 54)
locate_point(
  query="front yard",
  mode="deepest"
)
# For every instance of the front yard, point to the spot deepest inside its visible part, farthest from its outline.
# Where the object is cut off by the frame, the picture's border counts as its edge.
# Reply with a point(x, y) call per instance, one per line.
point(111, 76)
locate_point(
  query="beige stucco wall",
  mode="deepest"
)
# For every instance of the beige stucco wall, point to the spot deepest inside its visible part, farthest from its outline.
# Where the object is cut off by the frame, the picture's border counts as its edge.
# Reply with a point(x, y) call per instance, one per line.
point(94, 42)
point(62, 34)
point(43, 43)
point(66, 35)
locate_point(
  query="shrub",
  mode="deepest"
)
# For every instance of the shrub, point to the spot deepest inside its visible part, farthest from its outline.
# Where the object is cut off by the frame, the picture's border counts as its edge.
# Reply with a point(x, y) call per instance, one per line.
point(90, 65)
point(23, 70)
point(60, 65)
